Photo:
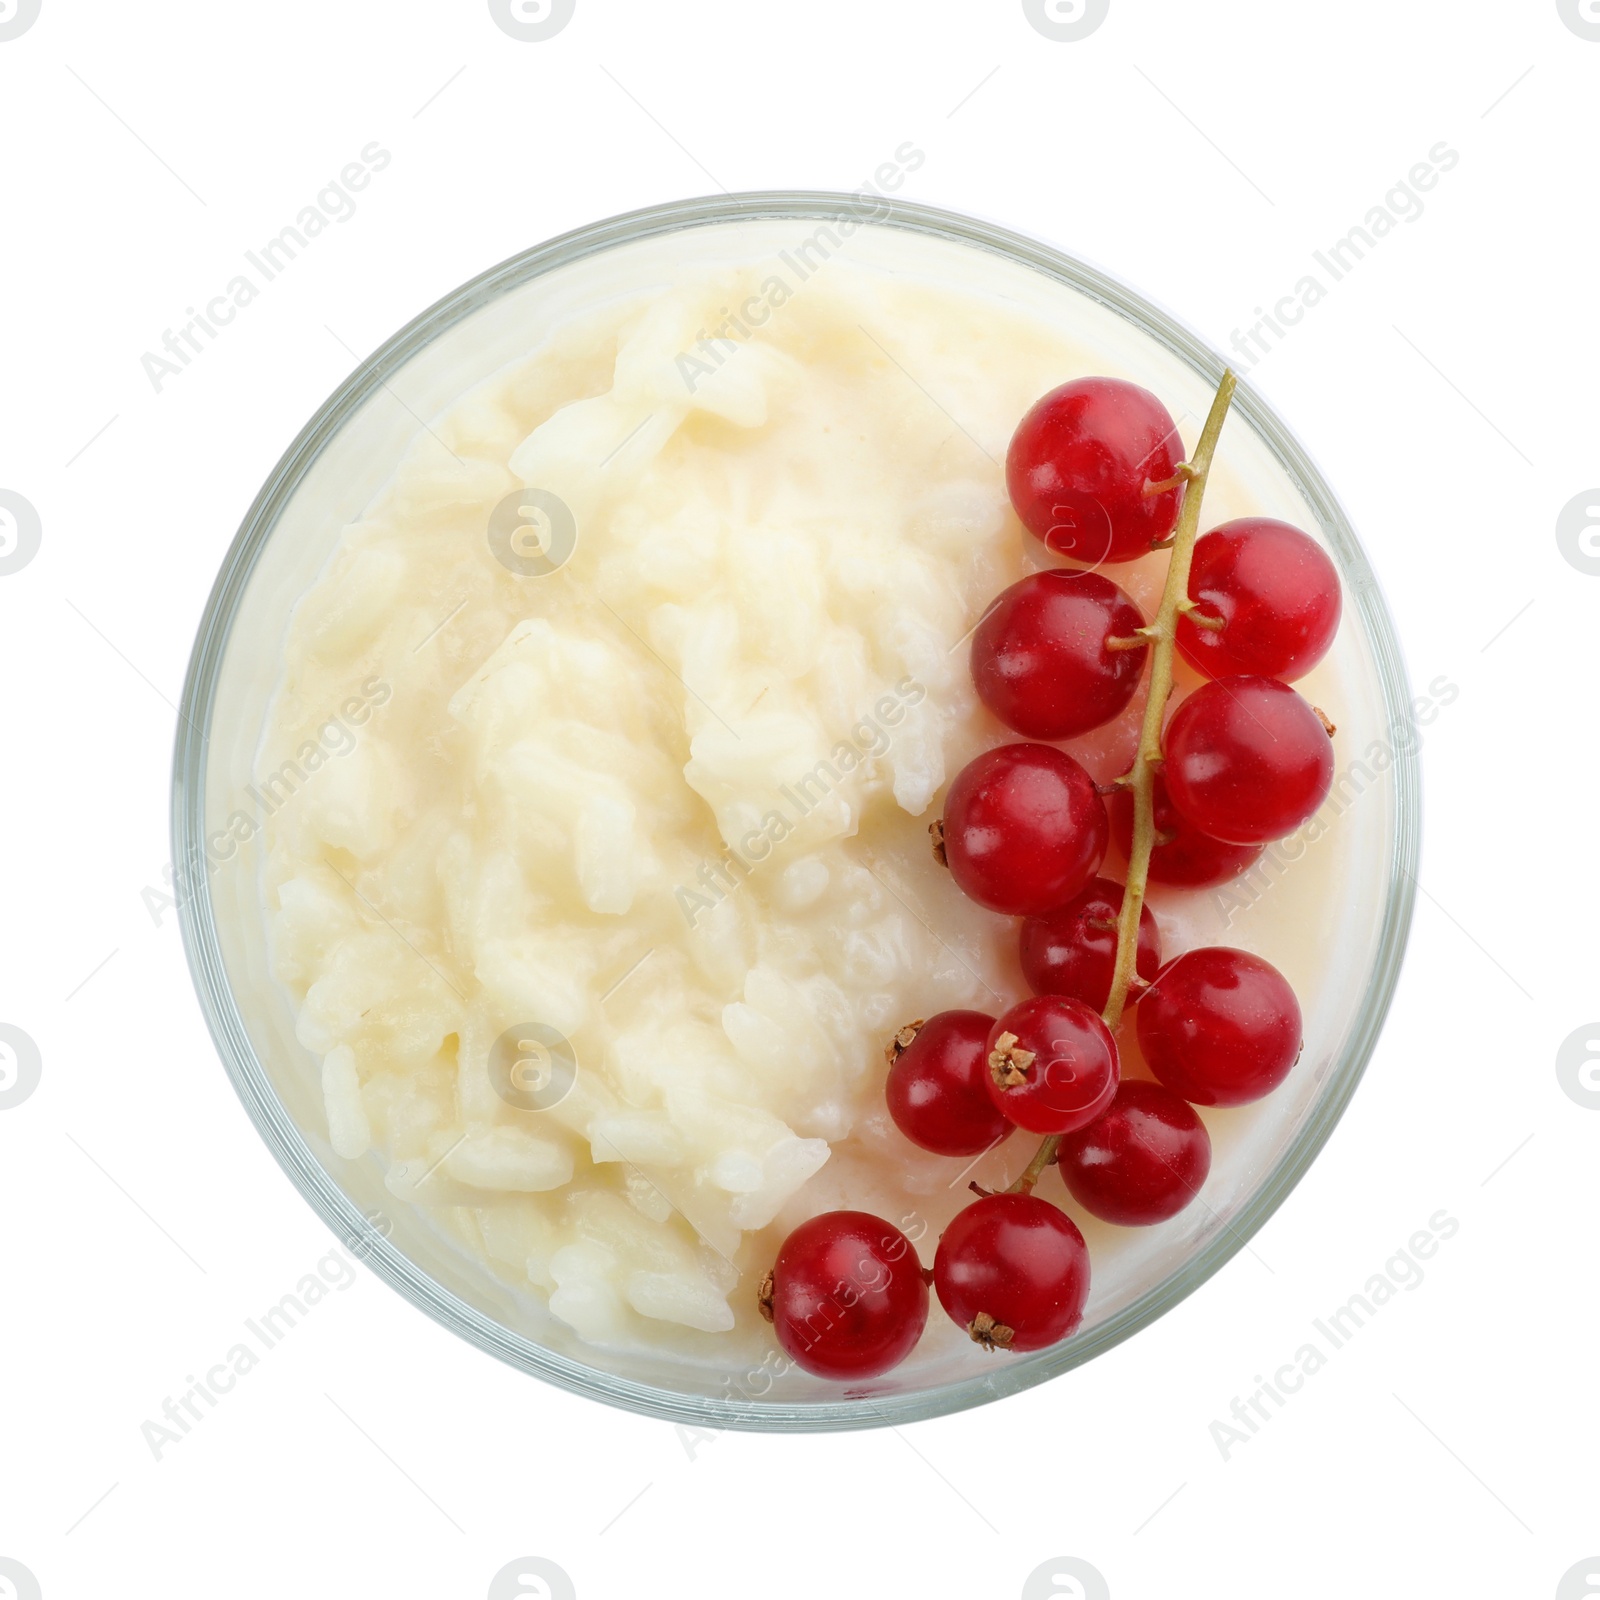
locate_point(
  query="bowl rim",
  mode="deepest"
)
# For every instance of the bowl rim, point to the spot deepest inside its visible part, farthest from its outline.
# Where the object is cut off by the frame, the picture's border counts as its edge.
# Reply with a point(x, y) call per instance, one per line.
point(197, 913)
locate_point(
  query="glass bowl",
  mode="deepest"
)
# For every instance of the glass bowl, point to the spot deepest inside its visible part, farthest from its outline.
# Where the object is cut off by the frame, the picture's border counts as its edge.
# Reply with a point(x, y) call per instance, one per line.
point(1352, 899)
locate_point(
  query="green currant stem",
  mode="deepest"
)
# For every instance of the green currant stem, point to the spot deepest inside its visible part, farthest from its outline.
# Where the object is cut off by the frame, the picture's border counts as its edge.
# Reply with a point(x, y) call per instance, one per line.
point(1134, 641)
point(1184, 473)
point(1201, 619)
point(1042, 1157)
point(1140, 777)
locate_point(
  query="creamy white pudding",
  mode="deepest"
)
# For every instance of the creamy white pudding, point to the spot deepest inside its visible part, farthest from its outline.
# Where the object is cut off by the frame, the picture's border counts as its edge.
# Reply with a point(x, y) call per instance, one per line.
point(649, 668)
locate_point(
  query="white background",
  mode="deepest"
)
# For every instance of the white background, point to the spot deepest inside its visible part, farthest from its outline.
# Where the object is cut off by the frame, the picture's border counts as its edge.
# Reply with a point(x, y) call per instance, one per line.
point(1201, 153)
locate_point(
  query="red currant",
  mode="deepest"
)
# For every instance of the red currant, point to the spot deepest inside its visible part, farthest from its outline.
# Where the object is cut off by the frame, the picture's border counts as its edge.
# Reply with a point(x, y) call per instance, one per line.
point(1140, 1163)
point(1081, 466)
point(1013, 1270)
point(1023, 829)
point(1276, 594)
point(1052, 1064)
point(1247, 760)
point(846, 1296)
point(1073, 951)
point(936, 1089)
point(1183, 857)
point(1039, 657)
point(1220, 1027)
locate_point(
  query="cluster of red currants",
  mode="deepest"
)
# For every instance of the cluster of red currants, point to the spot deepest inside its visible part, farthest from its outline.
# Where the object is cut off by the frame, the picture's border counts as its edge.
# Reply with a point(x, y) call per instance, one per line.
point(1095, 471)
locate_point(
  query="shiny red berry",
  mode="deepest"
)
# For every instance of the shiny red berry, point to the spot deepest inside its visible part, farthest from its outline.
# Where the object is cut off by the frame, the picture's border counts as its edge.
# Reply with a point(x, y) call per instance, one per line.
point(1052, 1064)
point(1140, 1163)
point(1040, 658)
point(1023, 829)
point(936, 1090)
point(1183, 857)
point(1274, 590)
point(1220, 1027)
point(1081, 466)
point(1073, 951)
point(1247, 760)
point(846, 1297)
point(1013, 1270)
